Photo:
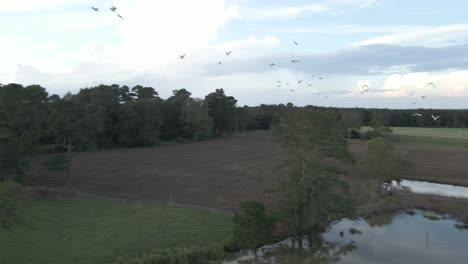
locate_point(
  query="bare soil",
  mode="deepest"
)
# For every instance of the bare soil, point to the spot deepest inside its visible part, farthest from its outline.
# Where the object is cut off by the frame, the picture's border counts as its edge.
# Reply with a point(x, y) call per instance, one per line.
point(220, 173)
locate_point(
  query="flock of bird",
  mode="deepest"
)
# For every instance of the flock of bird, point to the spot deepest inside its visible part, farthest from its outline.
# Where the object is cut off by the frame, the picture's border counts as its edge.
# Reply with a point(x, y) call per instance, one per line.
point(279, 84)
point(112, 8)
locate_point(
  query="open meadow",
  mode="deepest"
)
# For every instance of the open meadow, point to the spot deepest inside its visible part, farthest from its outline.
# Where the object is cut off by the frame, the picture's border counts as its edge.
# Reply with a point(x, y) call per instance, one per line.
point(96, 230)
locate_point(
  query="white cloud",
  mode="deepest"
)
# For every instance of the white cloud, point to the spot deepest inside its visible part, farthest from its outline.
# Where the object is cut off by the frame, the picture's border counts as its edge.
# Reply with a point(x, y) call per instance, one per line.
point(450, 84)
point(419, 36)
point(283, 11)
point(19, 6)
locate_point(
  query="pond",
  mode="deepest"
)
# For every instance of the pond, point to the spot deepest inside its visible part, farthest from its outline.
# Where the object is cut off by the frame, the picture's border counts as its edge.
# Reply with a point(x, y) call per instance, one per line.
point(432, 188)
point(416, 237)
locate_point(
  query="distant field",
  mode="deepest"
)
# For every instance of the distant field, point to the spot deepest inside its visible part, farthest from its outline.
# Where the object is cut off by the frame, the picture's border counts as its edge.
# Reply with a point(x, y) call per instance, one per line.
point(89, 231)
point(431, 130)
point(461, 133)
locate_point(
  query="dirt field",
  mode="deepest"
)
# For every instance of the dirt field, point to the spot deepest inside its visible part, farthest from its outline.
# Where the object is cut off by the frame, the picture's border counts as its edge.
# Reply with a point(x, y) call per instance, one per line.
point(222, 172)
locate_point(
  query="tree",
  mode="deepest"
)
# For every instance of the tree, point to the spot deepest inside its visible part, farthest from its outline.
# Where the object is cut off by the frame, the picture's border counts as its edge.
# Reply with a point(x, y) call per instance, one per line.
point(195, 121)
point(10, 194)
point(314, 192)
point(352, 119)
point(74, 125)
point(139, 123)
point(381, 162)
point(252, 227)
point(380, 123)
point(222, 109)
point(22, 122)
point(172, 109)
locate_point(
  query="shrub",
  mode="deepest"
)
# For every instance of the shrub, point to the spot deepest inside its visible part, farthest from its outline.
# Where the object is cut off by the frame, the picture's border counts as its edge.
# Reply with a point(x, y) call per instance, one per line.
point(10, 195)
point(178, 255)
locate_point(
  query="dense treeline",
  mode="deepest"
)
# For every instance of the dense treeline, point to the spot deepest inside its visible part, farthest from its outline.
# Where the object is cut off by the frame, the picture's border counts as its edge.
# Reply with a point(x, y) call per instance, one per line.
point(32, 121)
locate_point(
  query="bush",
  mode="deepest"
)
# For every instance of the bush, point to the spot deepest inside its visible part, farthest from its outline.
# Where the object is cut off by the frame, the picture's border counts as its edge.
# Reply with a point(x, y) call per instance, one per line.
point(192, 255)
point(370, 134)
point(10, 195)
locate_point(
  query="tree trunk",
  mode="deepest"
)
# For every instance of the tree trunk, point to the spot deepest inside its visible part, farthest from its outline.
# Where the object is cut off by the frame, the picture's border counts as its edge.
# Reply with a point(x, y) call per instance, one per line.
point(69, 147)
point(255, 254)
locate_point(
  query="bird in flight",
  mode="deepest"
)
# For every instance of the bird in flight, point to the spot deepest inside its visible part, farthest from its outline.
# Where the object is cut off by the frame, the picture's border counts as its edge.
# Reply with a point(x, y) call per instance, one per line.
point(435, 117)
point(424, 96)
point(278, 81)
point(228, 52)
point(366, 88)
point(287, 84)
point(279, 85)
point(295, 61)
point(411, 93)
point(95, 9)
point(321, 78)
point(121, 17)
point(416, 114)
point(182, 56)
point(414, 103)
point(313, 75)
point(219, 62)
point(295, 43)
point(292, 90)
point(309, 84)
point(272, 64)
point(433, 85)
point(113, 8)
point(299, 81)
point(326, 97)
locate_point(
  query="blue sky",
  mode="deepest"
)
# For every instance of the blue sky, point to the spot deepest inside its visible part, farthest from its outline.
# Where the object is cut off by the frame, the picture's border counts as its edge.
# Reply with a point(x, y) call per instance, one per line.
point(394, 47)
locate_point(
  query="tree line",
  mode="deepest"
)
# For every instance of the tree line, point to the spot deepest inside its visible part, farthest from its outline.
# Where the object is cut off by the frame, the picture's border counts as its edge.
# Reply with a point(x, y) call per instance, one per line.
point(32, 121)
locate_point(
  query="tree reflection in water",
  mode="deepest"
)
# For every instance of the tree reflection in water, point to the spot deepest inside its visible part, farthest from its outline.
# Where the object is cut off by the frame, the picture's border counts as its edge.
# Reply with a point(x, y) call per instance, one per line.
point(316, 250)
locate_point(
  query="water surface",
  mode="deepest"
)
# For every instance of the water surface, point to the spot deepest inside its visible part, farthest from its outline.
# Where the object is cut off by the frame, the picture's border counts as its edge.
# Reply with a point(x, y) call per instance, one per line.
point(402, 238)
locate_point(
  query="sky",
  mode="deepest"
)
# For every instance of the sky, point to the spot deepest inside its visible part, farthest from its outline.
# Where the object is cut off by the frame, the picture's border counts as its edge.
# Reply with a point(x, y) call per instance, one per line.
point(393, 47)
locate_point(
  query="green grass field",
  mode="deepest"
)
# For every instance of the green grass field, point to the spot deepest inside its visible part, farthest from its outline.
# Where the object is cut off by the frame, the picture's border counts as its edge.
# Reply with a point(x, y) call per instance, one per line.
point(94, 230)
point(431, 141)
point(431, 130)
point(428, 130)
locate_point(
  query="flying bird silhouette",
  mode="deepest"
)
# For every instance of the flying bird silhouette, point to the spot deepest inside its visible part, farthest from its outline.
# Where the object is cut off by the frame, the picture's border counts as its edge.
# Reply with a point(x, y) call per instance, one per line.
point(411, 93)
point(309, 84)
point(424, 96)
point(279, 85)
point(435, 117)
point(433, 85)
point(182, 56)
point(292, 90)
point(113, 8)
point(299, 81)
point(120, 16)
point(416, 114)
point(414, 103)
point(321, 78)
point(295, 43)
point(219, 62)
point(287, 84)
point(366, 88)
point(313, 75)
point(228, 52)
point(95, 9)
point(278, 81)
point(272, 64)
point(295, 61)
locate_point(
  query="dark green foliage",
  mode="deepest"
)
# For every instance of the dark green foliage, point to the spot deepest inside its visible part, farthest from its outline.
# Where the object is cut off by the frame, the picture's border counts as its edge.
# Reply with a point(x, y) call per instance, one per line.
point(222, 110)
point(193, 255)
point(22, 112)
point(10, 195)
point(315, 194)
point(252, 227)
point(381, 162)
point(58, 162)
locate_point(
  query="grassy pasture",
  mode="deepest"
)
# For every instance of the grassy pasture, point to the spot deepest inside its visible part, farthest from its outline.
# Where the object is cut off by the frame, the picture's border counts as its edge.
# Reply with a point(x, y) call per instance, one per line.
point(91, 230)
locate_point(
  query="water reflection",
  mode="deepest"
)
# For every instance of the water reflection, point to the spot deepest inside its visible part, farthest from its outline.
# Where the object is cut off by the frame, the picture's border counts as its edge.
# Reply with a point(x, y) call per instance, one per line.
point(431, 188)
point(402, 238)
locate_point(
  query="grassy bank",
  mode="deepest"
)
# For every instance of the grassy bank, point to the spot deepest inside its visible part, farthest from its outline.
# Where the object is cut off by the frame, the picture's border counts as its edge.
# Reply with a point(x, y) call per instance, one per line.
point(85, 230)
